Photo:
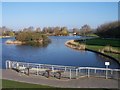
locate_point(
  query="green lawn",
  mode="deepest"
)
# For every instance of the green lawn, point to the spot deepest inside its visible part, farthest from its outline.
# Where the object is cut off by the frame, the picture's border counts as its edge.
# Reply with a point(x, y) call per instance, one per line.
point(15, 84)
point(99, 43)
point(92, 35)
point(104, 42)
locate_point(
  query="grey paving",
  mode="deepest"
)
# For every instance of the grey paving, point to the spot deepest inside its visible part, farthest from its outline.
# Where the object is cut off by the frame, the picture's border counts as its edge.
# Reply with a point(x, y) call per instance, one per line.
point(84, 82)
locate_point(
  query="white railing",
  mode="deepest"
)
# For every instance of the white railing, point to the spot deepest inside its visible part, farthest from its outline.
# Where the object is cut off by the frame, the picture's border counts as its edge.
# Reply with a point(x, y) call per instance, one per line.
point(69, 71)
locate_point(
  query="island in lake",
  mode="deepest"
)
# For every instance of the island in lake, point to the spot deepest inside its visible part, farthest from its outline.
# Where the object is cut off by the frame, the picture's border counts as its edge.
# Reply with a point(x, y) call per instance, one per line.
point(32, 38)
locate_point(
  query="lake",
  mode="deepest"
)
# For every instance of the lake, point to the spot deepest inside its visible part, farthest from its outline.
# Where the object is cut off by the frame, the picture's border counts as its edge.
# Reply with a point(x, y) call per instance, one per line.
point(55, 53)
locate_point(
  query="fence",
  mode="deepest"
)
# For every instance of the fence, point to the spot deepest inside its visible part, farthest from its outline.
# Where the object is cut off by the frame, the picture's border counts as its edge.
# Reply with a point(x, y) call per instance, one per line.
point(68, 71)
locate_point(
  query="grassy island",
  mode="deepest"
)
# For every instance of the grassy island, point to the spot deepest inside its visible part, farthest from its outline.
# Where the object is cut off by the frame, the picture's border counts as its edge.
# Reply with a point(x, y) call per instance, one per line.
point(30, 38)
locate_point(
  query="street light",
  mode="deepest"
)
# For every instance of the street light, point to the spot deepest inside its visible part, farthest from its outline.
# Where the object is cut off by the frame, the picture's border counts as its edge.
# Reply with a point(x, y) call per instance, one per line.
point(107, 64)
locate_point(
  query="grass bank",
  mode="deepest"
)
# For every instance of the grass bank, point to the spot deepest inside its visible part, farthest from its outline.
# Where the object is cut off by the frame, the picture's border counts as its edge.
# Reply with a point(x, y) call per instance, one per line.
point(98, 44)
point(15, 84)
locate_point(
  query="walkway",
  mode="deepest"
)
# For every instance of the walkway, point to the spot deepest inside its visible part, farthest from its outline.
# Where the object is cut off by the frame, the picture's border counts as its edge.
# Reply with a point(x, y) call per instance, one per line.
point(73, 83)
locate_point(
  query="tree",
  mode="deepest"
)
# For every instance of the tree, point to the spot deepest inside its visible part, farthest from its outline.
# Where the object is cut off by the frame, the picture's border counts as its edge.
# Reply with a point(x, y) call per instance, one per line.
point(45, 30)
point(25, 30)
point(0, 31)
point(109, 30)
point(11, 33)
point(64, 31)
point(38, 29)
point(57, 31)
point(50, 30)
point(31, 28)
point(4, 31)
point(85, 30)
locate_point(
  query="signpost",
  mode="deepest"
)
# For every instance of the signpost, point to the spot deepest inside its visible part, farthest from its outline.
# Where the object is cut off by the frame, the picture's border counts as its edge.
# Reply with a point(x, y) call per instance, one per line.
point(107, 64)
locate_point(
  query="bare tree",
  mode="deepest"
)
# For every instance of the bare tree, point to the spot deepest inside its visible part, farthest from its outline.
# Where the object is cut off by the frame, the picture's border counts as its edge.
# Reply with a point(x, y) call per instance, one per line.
point(84, 31)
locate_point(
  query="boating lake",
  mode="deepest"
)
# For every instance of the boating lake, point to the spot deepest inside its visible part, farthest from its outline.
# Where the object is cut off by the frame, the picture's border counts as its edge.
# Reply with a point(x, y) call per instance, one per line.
point(55, 53)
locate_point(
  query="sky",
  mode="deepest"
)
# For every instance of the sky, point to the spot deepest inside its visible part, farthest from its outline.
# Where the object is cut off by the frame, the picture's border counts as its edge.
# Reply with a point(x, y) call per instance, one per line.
point(18, 15)
point(0, 14)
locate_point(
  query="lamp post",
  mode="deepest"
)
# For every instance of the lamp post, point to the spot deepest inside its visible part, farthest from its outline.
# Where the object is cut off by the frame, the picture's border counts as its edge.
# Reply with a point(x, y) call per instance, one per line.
point(107, 64)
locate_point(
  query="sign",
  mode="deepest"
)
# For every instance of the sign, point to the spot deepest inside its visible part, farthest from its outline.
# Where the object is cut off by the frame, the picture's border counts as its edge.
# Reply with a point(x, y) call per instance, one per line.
point(107, 63)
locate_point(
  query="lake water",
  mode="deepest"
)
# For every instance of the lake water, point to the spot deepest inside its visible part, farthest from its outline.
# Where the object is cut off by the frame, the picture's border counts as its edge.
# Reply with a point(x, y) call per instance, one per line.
point(55, 53)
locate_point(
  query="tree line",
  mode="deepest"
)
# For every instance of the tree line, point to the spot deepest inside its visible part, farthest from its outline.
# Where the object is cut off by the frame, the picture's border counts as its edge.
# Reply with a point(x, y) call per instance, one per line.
point(107, 30)
point(54, 31)
point(4, 31)
point(50, 31)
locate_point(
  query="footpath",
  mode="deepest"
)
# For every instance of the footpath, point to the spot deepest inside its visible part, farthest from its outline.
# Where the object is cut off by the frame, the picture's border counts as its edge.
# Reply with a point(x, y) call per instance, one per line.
point(83, 82)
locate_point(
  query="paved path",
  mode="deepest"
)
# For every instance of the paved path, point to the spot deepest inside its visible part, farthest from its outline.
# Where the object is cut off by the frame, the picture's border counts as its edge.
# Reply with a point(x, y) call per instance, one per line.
point(74, 83)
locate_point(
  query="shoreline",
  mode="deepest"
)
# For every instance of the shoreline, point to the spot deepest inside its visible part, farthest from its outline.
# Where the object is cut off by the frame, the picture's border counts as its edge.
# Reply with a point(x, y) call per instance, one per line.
point(14, 42)
point(86, 49)
point(6, 36)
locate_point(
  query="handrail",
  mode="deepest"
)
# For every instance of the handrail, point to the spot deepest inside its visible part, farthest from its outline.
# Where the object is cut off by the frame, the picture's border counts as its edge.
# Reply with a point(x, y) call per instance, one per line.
point(69, 71)
point(68, 67)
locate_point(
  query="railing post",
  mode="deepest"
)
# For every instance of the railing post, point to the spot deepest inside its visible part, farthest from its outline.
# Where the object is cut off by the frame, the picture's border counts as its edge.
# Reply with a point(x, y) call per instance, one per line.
point(88, 72)
point(106, 72)
point(23, 65)
point(28, 65)
point(39, 66)
point(52, 68)
point(37, 70)
point(6, 64)
point(95, 70)
point(79, 70)
point(9, 65)
point(17, 65)
point(65, 68)
point(12, 64)
point(76, 73)
point(111, 71)
point(23, 70)
point(70, 73)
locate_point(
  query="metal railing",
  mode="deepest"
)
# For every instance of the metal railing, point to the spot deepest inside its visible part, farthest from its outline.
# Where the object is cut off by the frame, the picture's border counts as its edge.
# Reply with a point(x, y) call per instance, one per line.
point(68, 71)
